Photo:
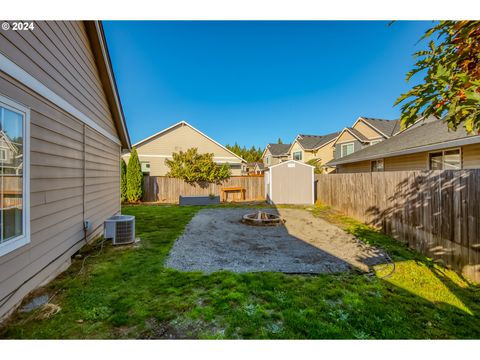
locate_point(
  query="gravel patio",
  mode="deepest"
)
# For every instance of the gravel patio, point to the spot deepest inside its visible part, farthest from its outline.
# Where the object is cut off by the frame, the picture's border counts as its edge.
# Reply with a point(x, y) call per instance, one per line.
point(216, 239)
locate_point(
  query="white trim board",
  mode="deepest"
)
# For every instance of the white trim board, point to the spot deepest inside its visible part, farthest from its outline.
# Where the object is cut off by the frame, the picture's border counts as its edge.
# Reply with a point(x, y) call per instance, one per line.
point(13, 244)
point(15, 71)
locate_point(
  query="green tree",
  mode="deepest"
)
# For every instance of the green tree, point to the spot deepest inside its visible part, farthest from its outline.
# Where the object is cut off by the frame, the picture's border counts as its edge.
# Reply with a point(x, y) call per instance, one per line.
point(134, 178)
point(250, 155)
point(193, 167)
point(279, 141)
point(123, 180)
point(451, 83)
point(317, 164)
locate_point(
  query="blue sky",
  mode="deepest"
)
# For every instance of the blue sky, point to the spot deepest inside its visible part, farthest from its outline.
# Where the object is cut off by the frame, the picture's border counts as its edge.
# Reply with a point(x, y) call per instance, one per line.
point(253, 82)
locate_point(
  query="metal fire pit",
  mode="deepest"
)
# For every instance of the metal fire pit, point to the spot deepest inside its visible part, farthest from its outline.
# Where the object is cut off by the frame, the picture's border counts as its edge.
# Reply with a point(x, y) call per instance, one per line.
point(261, 218)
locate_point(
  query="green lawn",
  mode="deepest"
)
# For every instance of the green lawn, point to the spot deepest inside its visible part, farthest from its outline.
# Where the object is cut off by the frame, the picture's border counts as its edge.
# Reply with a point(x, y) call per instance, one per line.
point(128, 293)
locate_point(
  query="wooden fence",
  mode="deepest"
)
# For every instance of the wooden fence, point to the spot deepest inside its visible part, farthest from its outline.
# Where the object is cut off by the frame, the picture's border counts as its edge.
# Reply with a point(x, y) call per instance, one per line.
point(165, 189)
point(435, 212)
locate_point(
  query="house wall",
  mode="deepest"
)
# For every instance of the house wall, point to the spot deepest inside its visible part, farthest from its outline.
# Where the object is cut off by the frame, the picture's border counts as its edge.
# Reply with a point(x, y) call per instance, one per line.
point(181, 138)
point(418, 161)
point(471, 156)
point(357, 145)
point(367, 131)
point(74, 170)
point(306, 155)
point(58, 53)
point(325, 153)
point(362, 166)
point(159, 168)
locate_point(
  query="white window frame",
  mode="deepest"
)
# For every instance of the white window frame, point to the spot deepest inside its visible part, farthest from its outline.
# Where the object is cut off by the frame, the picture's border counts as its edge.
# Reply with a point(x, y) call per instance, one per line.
point(297, 152)
point(3, 157)
point(443, 155)
point(21, 240)
point(346, 144)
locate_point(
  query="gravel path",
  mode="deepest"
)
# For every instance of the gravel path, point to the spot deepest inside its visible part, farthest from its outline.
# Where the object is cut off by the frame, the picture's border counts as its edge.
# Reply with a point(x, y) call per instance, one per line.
point(215, 239)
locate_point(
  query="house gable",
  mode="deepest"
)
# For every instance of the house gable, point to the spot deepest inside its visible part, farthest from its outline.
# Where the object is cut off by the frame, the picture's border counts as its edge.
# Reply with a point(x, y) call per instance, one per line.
point(367, 130)
point(181, 137)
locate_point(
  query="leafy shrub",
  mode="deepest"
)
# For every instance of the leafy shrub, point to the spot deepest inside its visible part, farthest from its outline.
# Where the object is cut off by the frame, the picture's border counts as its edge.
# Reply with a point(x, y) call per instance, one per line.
point(193, 167)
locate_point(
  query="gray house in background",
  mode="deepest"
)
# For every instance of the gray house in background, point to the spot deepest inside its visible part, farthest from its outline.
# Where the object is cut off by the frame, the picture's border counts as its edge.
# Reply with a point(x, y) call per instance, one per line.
point(63, 133)
point(364, 132)
point(275, 154)
point(426, 145)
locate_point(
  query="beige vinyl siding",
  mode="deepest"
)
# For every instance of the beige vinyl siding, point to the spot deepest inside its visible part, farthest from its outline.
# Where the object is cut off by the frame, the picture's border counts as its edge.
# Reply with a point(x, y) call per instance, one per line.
point(345, 137)
point(180, 138)
point(471, 156)
point(295, 148)
point(325, 153)
point(60, 199)
point(362, 166)
point(417, 161)
point(58, 54)
point(367, 131)
point(159, 168)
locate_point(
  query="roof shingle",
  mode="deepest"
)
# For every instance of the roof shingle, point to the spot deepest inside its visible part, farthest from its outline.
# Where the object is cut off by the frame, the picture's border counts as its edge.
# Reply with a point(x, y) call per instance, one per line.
point(423, 133)
point(310, 142)
point(278, 149)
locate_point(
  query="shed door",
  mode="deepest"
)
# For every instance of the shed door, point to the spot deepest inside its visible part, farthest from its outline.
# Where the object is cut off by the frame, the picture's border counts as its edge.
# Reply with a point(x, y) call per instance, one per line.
point(292, 184)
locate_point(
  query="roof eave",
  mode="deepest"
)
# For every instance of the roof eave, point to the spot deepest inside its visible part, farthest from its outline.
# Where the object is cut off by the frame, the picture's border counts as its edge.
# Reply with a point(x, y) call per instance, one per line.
point(99, 48)
point(431, 147)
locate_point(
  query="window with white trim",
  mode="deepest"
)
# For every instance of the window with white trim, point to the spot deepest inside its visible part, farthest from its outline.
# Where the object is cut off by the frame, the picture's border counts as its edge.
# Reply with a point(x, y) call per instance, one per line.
point(297, 155)
point(346, 149)
point(445, 160)
point(3, 154)
point(14, 177)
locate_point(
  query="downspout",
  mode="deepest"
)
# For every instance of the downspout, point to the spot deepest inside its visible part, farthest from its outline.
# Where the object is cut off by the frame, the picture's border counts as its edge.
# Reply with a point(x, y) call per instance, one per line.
point(84, 203)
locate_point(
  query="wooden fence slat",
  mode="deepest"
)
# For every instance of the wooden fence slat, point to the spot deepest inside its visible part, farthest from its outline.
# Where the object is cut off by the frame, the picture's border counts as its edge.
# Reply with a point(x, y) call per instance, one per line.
point(435, 212)
point(164, 189)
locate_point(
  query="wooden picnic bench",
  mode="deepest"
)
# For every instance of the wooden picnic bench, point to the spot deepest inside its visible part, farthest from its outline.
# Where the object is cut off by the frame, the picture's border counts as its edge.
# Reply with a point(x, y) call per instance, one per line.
point(233, 189)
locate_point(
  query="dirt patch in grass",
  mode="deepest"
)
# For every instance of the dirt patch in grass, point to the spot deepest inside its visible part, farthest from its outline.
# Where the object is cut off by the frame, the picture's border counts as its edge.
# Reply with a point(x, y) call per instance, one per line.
point(216, 239)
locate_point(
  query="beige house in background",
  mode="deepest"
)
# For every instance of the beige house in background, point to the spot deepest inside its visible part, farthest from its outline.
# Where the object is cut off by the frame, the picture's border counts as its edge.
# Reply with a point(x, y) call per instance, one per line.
point(308, 147)
point(426, 145)
point(275, 154)
point(364, 132)
point(62, 115)
point(182, 136)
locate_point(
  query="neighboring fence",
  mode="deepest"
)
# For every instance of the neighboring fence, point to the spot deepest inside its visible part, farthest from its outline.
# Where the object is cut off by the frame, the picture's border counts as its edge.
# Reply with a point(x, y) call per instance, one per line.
point(435, 212)
point(165, 189)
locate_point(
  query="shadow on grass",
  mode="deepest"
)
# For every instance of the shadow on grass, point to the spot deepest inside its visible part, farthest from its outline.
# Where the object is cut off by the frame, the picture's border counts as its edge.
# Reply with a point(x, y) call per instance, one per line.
point(128, 293)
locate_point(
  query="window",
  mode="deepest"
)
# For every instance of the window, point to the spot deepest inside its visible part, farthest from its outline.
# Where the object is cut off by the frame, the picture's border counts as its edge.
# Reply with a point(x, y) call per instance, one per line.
point(267, 160)
point(145, 167)
point(346, 149)
point(377, 165)
point(445, 160)
point(14, 177)
point(297, 155)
